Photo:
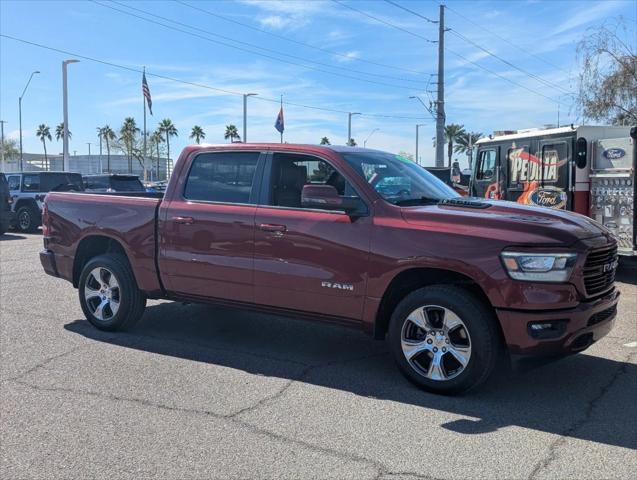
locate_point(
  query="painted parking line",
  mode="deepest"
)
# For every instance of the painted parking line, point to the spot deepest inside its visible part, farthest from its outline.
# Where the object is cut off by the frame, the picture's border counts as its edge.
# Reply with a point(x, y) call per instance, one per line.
point(631, 344)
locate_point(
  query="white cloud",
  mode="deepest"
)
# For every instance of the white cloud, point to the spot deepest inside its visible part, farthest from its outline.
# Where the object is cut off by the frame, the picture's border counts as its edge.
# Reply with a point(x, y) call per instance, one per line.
point(348, 56)
point(587, 14)
point(278, 22)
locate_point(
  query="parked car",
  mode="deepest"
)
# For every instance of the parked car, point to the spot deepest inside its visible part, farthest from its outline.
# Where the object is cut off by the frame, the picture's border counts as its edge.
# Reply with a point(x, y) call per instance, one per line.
point(113, 183)
point(307, 231)
point(28, 190)
point(6, 215)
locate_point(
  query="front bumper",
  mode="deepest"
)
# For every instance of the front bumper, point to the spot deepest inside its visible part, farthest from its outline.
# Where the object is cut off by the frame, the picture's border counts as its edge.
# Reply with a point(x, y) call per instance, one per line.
point(582, 326)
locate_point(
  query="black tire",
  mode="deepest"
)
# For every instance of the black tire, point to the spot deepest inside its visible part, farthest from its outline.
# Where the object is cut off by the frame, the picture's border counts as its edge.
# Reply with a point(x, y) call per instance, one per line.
point(480, 323)
point(26, 219)
point(131, 300)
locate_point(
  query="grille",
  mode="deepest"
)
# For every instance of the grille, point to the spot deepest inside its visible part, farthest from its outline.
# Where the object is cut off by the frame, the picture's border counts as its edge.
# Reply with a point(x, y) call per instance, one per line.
point(599, 270)
point(602, 316)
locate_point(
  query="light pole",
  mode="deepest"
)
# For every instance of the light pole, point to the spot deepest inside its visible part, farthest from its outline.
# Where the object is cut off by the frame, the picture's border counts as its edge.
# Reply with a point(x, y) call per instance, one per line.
point(20, 112)
point(65, 139)
point(349, 126)
point(370, 136)
point(418, 125)
point(245, 115)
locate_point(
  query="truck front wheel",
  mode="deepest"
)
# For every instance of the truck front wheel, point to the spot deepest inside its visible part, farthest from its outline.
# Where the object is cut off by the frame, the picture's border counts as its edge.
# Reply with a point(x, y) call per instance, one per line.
point(109, 296)
point(444, 339)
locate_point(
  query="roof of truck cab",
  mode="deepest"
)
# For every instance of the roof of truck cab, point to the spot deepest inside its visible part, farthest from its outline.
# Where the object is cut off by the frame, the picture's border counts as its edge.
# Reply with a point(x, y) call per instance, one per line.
point(280, 146)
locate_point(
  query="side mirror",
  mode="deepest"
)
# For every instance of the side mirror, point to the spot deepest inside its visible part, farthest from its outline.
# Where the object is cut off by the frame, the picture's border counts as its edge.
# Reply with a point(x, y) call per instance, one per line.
point(581, 152)
point(326, 197)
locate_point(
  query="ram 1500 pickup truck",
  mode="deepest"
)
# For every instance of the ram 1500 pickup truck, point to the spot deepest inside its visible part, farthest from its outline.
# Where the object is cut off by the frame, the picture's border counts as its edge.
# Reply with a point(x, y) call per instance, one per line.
point(347, 235)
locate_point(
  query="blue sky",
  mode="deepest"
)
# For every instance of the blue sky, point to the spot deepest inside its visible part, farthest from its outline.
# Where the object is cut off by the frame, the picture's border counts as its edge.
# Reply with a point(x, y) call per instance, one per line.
point(539, 37)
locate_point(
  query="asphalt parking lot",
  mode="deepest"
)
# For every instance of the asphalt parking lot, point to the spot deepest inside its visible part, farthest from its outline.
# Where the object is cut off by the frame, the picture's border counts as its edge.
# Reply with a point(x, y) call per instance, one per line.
point(204, 392)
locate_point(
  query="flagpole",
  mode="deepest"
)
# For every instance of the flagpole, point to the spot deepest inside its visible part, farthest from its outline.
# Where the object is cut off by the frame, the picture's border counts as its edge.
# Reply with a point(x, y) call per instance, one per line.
point(144, 133)
point(281, 110)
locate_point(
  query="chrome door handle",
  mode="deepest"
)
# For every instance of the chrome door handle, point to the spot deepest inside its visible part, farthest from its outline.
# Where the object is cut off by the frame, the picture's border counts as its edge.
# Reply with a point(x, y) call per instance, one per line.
point(183, 220)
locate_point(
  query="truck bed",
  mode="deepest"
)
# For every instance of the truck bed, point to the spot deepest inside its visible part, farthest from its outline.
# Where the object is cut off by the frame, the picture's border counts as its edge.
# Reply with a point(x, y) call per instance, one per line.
point(75, 220)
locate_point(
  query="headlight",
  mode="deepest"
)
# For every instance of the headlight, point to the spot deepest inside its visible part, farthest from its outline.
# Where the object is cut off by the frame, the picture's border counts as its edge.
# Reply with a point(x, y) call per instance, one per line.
point(539, 267)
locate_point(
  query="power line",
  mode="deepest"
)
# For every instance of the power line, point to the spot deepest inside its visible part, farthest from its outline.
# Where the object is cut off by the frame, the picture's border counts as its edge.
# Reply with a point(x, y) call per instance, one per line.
point(297, 42)
point(380, 20)
point(200, 85)
point(488, 52)
point(456, 54)
point(410, 11)
point(520, 48)
point(253, 46)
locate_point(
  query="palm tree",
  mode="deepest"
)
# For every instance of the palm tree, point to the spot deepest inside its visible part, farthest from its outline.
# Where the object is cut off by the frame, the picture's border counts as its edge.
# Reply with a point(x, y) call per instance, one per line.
point(43, 133)
point(465, 143)
point(197, 133)
point(231, 133)
point(59, 132)
point(351, 143)
point(127, 134)
point(10, 148)
point(325, 141)
point(107, 135)
point(452, 132)
point(155, 140)
point(167, 127)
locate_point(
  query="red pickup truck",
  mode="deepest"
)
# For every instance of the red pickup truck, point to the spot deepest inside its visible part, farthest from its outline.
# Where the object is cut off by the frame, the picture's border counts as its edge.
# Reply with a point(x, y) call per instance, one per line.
point(347, 235)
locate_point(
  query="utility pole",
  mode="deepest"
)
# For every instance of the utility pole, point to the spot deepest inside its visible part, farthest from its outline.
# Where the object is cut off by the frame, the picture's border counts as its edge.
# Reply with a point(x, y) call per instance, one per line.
point(2, 165)
point(349, 126)
point(20, 114)
point(245, 115)
point(65, 141)
point(418, 125)
point(440, 103)
point(89, 148)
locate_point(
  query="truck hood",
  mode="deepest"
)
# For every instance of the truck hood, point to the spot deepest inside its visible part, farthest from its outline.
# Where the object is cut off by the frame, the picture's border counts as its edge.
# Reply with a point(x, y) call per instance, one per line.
point(507, 221)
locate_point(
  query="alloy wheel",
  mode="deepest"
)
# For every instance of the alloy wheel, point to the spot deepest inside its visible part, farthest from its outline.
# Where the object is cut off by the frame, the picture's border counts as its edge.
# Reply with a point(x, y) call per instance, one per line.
point(436, 342)
point(102, 293)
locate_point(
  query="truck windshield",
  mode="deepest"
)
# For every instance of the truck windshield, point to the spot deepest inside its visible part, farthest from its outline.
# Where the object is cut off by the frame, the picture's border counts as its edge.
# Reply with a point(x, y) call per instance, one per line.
point(399, 180)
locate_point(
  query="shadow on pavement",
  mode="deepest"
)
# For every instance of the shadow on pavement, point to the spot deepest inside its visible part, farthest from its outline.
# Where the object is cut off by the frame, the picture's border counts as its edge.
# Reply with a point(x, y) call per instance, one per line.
point(558, 397)
point(627, 271)
point(11, 236)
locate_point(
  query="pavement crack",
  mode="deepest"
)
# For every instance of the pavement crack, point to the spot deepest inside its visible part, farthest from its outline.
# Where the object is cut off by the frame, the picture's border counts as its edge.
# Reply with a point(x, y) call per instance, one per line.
point(551, 455)
point(229, 418)
point(44, 363)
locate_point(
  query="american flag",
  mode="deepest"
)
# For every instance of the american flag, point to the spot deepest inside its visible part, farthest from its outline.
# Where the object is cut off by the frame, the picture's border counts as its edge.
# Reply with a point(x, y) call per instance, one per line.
point(146, 92)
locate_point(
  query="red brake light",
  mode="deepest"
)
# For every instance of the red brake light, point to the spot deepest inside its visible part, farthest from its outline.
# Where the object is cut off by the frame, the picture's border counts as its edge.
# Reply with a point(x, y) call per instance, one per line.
point(46, 229)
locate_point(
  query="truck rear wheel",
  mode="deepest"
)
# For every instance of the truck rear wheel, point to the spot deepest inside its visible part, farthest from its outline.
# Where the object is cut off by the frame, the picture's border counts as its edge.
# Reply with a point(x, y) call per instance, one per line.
point(444, 339)
point(109, 296)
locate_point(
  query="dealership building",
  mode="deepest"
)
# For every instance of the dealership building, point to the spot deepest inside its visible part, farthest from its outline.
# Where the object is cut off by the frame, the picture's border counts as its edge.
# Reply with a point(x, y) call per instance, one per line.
point(88, 164)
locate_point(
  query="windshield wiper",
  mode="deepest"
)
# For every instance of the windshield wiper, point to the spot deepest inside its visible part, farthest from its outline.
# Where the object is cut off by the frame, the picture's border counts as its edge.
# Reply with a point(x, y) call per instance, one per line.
point(408, 202)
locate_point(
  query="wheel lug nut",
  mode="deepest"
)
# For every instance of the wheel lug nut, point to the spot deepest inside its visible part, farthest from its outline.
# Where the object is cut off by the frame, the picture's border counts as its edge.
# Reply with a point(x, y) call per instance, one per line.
point(444, 349)
point(446, 340)
point(429, 341)
point(441, 332)
point(435, 349)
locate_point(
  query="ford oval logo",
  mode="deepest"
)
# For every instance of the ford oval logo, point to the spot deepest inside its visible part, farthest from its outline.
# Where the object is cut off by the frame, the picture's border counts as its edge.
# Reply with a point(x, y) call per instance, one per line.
point(614, 153)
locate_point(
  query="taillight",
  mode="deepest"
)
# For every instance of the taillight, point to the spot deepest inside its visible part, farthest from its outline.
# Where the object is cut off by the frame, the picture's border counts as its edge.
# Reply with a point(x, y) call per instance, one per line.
point(46, 228)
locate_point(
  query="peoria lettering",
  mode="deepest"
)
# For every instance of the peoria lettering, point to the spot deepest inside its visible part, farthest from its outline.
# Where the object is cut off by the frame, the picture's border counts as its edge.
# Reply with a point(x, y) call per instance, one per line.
point(528, 168)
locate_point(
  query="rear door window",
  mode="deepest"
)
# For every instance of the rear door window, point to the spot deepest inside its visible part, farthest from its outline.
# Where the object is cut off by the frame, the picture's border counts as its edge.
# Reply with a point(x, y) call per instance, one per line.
point(226, 177)
point(130, 184)
point(31, 183)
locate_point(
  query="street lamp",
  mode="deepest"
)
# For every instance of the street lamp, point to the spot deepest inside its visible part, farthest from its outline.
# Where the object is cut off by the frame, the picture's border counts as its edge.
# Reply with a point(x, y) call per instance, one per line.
point(349, 126)
point(245, 115)
point(369, 136)
point(20, 113)
point(418, 125)
point(65, 142)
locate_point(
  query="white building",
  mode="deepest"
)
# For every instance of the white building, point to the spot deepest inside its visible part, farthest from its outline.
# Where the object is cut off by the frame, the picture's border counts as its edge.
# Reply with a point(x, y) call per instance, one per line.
point(87, 164)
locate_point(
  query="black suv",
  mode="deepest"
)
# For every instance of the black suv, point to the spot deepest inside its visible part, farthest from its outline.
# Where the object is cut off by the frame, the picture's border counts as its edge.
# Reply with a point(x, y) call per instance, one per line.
point(6, 215)
point(113, 183)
